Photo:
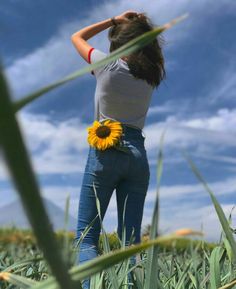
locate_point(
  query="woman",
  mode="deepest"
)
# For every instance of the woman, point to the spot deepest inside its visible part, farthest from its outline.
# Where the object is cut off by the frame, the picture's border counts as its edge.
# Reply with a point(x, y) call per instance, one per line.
point(117, 157)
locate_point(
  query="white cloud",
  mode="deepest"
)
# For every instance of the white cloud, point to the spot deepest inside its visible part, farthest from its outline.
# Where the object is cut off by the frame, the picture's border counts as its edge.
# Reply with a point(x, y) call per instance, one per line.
point(198, 131)
point(61, 147)
point(192, 213)
point(56, 147)
point(224, 121)
point(226, 85)
point(167, 107)
point(217, 158)
point(169, 193)
point(46, 64)
point(189, 216)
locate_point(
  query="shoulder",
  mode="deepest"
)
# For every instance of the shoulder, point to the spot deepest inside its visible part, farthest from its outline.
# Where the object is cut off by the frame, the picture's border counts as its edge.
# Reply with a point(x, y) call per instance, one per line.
point(96, 55)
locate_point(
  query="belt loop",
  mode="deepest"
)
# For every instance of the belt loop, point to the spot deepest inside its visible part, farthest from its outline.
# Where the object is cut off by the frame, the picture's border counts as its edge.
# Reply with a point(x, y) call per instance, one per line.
point(143, 134)
point(124, 128)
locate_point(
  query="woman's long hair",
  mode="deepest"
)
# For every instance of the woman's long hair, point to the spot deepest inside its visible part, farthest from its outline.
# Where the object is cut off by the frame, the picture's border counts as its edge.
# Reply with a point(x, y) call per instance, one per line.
point(146, 63)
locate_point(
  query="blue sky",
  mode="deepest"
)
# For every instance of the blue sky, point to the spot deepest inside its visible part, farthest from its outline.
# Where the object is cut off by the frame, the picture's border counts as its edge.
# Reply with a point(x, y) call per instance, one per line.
point(196, 103)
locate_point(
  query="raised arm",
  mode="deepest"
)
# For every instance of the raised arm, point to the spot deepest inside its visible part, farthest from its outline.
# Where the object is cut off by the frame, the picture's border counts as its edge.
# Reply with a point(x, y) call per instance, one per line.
point(79, 38)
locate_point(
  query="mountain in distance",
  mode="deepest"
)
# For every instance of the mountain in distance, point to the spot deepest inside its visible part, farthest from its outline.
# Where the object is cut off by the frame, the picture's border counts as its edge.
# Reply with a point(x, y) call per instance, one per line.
point(13, 214)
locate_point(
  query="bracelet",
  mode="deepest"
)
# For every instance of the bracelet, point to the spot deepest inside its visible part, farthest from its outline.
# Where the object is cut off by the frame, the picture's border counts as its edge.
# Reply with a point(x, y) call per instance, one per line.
point(113, 21)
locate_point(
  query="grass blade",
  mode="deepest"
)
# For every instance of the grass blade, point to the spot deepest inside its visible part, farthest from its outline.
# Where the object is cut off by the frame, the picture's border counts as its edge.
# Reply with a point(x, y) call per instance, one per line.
point(126, 49)
point(20, 168)
point(104, 261)
point(229, 285)
point(106, 245)
point(228, 249)
point(151, 263)
point(182, 277)
point(215, 267)
point(17, 280)
point(65, 235)
point(219, 211)
point(21, 264)
point(76, 241)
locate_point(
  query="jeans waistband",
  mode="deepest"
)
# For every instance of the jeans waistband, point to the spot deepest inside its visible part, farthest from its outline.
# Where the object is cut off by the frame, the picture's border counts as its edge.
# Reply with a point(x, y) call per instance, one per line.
point(127, 127)
point(132, 132)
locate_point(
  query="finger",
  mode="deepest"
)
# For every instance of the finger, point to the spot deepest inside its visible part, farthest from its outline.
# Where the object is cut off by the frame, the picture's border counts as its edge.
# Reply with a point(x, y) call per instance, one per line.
point(131, 12)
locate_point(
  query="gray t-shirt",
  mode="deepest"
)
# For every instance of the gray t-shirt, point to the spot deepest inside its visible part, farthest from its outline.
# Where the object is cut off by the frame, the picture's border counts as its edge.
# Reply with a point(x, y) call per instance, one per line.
point(119, 95)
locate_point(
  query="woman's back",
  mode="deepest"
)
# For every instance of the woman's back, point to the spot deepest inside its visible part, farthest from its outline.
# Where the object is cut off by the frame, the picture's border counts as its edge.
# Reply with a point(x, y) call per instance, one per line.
point(119, 95)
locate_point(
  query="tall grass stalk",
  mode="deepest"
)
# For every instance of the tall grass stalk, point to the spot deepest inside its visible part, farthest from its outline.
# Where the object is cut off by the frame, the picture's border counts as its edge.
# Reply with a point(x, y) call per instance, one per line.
point(20, 168)
point(222, 218)
point(111, 270)
point(152, 253)
point(126, 49)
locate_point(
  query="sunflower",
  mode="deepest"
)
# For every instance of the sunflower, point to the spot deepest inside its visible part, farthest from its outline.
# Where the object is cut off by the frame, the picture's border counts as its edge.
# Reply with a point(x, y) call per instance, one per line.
point(104, 135)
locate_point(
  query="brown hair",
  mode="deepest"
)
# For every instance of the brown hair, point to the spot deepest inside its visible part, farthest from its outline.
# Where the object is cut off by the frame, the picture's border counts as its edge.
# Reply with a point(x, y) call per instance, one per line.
point(147, 62)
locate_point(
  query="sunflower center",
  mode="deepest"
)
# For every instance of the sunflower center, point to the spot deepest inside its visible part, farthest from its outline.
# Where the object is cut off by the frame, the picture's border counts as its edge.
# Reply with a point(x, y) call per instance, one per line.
point(103, 131)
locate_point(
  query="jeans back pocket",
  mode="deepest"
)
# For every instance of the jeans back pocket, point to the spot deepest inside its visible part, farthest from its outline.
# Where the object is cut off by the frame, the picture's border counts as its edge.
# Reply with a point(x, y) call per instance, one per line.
point(102, 160)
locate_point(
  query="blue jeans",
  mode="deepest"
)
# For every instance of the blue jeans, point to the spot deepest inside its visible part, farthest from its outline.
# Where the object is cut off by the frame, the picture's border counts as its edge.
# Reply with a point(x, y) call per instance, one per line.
point(109, 170)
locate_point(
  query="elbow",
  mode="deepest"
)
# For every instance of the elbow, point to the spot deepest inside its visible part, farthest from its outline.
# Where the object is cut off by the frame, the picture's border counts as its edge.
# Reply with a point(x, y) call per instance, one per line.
point(76, 35)
point(72, 38)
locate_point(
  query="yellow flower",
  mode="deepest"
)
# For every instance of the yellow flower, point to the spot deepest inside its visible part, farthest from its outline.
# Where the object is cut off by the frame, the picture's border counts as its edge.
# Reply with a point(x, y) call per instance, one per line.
point(185, 232)
point(104, 135)
point(4, 276)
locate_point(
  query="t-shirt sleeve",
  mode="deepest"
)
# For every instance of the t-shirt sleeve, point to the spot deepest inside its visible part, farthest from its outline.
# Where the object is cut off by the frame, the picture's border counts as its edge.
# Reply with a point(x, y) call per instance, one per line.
point(94, 55)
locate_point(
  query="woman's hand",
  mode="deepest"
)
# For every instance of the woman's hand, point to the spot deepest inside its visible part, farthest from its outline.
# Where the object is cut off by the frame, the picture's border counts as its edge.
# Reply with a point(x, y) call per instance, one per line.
point(124, 17)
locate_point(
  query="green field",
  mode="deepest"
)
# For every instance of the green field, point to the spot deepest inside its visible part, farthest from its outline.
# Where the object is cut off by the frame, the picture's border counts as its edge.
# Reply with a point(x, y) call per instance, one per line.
point(180, 263)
